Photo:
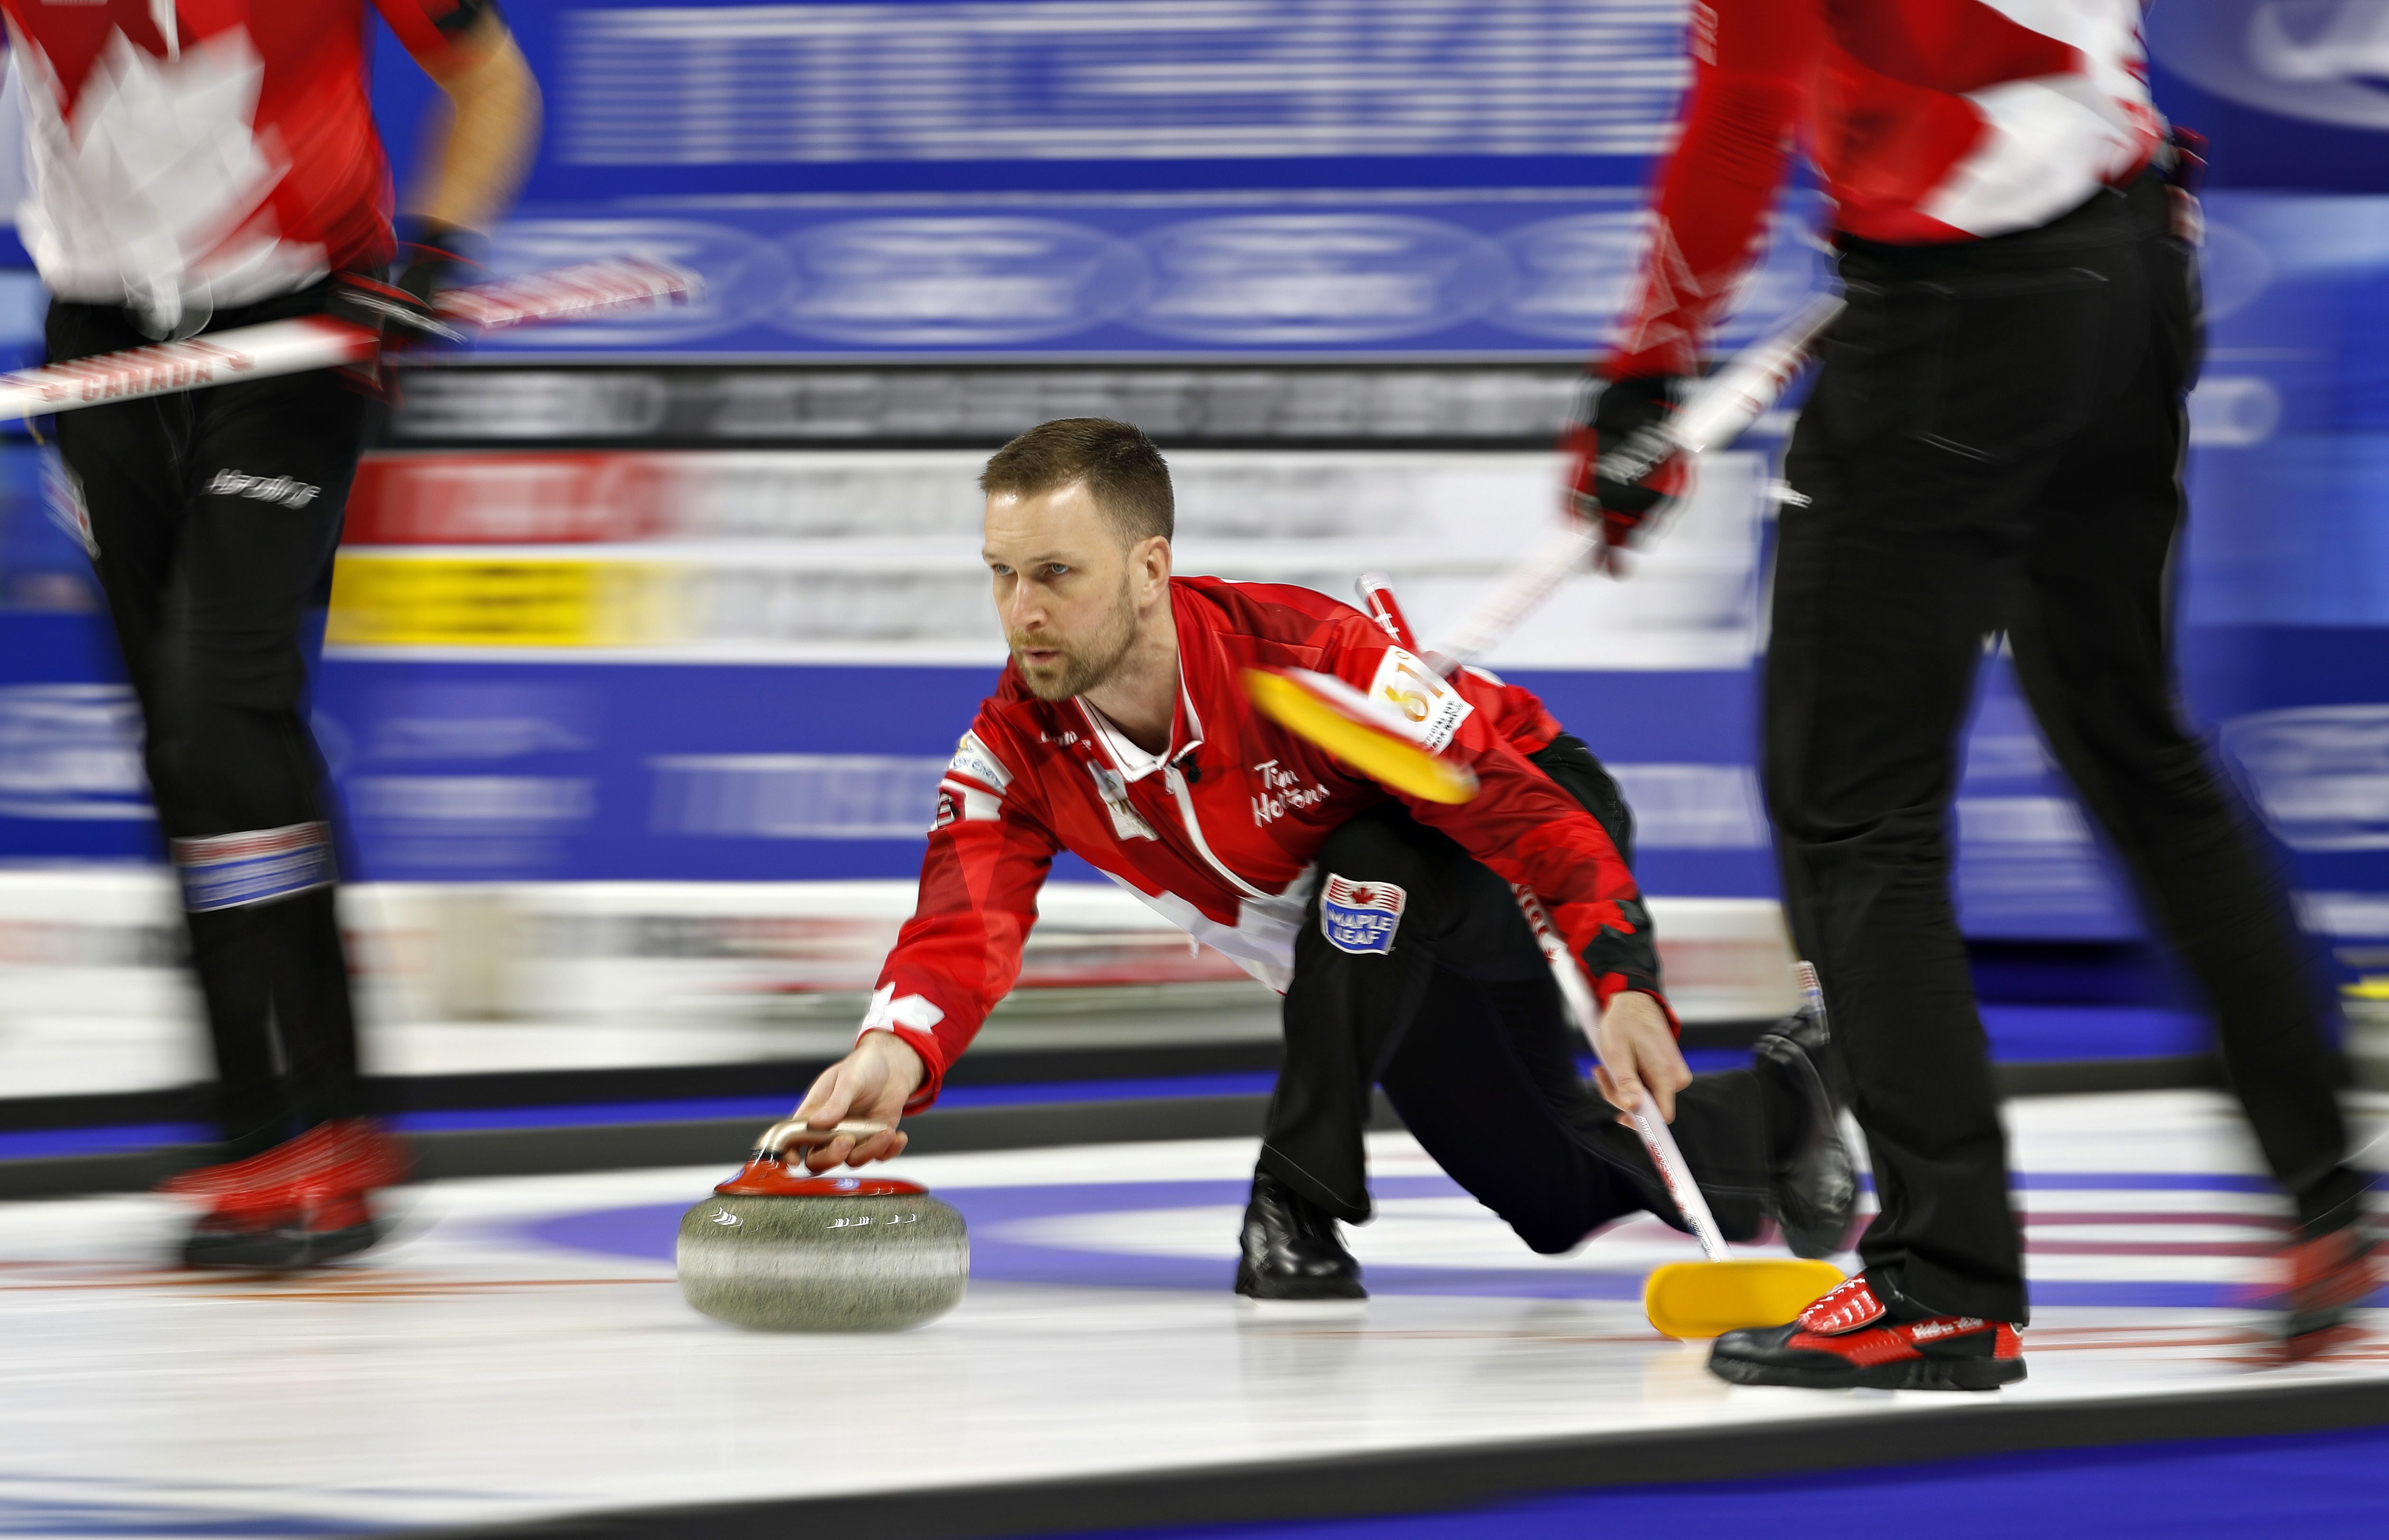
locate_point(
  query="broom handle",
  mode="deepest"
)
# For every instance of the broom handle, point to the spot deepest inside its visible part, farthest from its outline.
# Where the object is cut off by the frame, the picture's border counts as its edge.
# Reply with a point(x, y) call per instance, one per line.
point(1561, 556)
point(1730, 401)
point(1661, 1143)
point(1718, 412)
point(1656, 1139)
point(305, 343)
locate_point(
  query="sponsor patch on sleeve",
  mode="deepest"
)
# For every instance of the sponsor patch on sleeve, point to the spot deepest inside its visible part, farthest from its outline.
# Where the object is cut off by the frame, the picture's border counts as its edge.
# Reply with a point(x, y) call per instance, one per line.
point(1360, 917)
point(1416, 694)
point(972, 758)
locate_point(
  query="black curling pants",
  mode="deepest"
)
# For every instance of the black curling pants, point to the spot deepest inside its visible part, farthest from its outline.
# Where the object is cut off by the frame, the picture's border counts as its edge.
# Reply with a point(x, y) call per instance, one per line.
point(1461, 1021)
point(214, 514)
point(1994, 442)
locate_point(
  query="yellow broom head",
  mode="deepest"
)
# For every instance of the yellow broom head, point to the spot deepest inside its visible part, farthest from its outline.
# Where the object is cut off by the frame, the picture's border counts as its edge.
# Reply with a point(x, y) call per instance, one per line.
point(1692, 1299)
point(1340, 719)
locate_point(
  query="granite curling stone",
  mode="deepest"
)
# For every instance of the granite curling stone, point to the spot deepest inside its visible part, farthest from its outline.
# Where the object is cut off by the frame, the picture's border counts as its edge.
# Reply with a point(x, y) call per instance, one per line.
point(776, 1249)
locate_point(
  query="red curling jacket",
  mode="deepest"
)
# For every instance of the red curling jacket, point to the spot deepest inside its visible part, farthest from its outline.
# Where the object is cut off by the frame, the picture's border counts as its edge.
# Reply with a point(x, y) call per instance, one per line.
point(222, 148)
point(1219, 831)
point(1929, 120)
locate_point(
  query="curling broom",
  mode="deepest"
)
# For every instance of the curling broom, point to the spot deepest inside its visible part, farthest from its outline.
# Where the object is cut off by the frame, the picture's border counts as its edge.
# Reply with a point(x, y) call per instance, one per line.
point(1689, 1299)
point(1682, 1299)
point(582, 292)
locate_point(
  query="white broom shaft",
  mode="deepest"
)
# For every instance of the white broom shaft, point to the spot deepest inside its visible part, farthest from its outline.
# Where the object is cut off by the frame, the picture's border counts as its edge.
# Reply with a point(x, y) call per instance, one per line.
point(1731, 399)
point(1522, 592)
point(1720, 411)
point(569, 293)
point(1680, 1186)
point(1725, 407)
point(309, 342)
point(1656, 1139)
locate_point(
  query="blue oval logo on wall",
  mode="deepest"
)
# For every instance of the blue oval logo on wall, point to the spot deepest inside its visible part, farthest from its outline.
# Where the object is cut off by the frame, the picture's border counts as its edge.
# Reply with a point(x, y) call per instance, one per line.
point(2326, 61)
point(1577, 274)
point(1305, 279)
point(955, 281)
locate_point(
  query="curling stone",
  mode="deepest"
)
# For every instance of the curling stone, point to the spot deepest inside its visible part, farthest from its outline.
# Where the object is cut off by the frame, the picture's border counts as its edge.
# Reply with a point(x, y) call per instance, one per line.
point(776, 1248)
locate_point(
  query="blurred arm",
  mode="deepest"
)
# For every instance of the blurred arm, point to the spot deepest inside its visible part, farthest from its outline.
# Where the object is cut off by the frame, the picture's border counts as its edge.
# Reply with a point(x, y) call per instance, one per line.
point(1752, 60)
point(492, 131)
point(480, 145)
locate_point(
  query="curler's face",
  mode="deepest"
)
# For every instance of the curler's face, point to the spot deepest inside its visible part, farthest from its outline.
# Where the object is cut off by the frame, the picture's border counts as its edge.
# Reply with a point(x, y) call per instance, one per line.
point(1069, 592)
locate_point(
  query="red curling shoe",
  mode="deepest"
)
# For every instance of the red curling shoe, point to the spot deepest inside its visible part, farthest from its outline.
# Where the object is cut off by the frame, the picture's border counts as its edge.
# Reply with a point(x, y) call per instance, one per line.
point(1846, 1340)
point(304, 1201)
point(2330, 1277)
point(349, 1149)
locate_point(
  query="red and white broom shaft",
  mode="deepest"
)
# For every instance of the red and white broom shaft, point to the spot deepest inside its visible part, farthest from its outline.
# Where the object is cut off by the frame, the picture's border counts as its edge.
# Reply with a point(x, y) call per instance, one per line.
point(311, 342)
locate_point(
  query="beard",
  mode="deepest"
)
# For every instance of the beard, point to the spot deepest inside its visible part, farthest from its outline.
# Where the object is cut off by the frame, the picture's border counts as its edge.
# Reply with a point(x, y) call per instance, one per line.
point(1079, 666)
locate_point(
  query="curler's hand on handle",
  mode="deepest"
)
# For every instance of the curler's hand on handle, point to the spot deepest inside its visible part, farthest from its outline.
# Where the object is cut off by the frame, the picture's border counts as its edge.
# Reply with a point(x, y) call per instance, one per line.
point(1640, 1065)
point(871, 1086)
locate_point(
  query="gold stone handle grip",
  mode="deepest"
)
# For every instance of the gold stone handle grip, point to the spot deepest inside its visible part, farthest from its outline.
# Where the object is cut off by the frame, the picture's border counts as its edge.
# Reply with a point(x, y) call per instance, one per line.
point(789, 1133)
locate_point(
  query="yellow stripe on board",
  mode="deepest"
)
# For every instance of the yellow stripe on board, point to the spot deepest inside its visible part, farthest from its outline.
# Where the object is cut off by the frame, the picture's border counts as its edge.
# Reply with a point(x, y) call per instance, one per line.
point(384, 601)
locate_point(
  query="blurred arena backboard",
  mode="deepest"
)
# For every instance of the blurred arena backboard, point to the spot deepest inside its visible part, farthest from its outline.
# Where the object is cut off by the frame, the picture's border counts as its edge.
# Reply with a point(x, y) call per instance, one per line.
point(693, 599)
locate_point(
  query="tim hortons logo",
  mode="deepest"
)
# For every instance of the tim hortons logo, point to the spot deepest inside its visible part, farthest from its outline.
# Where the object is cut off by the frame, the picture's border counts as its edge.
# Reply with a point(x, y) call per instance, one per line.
point(1282, 792)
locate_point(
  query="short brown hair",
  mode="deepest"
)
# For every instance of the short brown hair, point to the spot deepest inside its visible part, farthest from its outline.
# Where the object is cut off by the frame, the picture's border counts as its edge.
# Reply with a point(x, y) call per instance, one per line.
point(1124, 473)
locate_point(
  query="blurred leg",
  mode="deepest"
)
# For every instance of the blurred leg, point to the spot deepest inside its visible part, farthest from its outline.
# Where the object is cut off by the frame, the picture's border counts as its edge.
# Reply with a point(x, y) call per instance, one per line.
point(2094, 653)
point(268, 471)
point(127, 461)
point(1873, 661)
point(1939, 409)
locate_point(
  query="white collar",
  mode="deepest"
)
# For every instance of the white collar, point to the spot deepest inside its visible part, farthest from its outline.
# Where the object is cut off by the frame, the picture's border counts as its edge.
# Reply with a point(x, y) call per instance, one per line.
point(1134, 763)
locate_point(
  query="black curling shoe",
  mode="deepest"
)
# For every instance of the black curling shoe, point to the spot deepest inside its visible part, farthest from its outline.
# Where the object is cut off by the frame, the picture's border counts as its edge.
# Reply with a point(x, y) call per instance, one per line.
point(1812, 1182)
point(1292, 1253)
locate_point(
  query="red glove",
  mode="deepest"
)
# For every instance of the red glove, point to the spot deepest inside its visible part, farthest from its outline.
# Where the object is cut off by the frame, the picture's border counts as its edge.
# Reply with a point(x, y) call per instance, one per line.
point(1607, 417)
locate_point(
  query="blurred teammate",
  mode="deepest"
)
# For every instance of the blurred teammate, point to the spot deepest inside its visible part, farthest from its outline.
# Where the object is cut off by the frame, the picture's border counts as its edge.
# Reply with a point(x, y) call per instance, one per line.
point(1120, 732)
point(1993, 443)
point(204, 167)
